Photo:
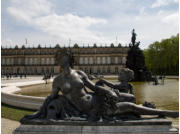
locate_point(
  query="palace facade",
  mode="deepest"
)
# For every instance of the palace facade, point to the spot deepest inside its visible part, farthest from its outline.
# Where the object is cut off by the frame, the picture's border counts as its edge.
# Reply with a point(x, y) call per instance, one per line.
point(40, 60)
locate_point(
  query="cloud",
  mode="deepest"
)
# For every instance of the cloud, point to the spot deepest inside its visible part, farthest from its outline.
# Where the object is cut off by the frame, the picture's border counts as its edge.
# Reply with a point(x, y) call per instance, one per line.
point(32, 8)
point(159, 3)
point(172, 19)
point(142, 11)
point(63, 26)
point(19, 15)
point(89, 22)
point(69, 26)
point(149, 27)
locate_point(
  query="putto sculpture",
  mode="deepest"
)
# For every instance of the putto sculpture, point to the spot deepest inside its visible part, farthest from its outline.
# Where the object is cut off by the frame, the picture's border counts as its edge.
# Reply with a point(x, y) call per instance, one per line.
point(125, 75)
point(76, 101)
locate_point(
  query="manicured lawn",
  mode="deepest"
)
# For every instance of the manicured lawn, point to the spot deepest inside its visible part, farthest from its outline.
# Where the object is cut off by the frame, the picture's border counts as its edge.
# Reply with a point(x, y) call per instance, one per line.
point(13, 113)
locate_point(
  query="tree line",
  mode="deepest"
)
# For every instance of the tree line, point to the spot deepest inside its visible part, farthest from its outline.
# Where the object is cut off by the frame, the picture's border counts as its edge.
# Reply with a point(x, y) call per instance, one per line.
point(162, 58)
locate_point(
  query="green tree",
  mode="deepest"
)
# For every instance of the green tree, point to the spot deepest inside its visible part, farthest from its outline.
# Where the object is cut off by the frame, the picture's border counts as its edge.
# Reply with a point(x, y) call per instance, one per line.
point(163, 57)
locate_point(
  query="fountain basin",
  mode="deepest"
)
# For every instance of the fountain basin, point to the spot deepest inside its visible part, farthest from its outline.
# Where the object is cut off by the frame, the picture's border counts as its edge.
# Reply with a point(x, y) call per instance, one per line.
point(9, 96)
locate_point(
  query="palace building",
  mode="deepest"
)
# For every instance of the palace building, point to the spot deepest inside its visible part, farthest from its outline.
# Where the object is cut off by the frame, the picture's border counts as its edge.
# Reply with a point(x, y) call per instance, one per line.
point(40, 60)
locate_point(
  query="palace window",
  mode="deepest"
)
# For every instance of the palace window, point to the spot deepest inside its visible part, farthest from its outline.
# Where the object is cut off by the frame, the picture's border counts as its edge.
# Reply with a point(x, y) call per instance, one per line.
point(52, 70)
point(108, 70)
point(124, 60)
point(91, 70)
point(47, 70)
point(116, 60)
point(2, 71)
point(19, 61)
point(7, 61)
point(42, 61)
point(52, 61)
point(81, 60)
point(116, 70)
point(108, 60)
point(98, 70)
point(25, 70)
point(42, 70)
point(36, 52)
point(26, 61)
point(103, 60)
point(35, 70)
point(35, 61)
point(12, 61)
point(86, 70)
point(91, 60)
point(47, 61)
point(86, 60)
point(98, 60)
point(103, 70)
point(3, 61)
point(30, 61)
point(30, 71)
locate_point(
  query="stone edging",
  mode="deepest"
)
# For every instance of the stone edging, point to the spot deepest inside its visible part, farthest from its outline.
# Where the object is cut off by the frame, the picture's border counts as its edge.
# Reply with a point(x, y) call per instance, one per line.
point(9, 97)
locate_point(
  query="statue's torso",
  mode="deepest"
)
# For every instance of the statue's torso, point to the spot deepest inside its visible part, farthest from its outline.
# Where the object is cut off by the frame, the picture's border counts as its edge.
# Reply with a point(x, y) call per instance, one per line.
point(72, 87)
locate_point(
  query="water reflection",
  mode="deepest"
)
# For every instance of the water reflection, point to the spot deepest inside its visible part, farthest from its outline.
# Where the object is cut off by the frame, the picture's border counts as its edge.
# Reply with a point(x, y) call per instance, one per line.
point(164, 96)
point(40, 90)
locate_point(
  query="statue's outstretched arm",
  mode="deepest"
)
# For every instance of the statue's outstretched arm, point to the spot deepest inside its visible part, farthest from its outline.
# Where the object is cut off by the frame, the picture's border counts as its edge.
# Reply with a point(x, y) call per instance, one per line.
point(87, 81)
point(95, 88)
point(109, 84)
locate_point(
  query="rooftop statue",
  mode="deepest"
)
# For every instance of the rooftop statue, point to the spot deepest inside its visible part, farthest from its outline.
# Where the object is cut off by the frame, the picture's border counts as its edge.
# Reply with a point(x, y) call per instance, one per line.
point(133, 38)
point(99, 103)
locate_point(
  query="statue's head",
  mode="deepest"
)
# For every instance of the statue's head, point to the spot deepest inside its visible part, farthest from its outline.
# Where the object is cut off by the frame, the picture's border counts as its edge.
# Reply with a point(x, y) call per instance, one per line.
point(126, 74)
point(64, 58)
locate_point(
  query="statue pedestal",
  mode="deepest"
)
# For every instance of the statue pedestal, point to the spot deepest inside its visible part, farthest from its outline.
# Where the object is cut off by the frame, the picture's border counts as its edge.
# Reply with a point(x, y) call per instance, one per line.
point(150, 126)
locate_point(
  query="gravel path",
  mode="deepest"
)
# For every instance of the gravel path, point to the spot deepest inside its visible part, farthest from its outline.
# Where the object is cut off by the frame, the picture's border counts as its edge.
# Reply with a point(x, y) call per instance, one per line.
point(8, 126)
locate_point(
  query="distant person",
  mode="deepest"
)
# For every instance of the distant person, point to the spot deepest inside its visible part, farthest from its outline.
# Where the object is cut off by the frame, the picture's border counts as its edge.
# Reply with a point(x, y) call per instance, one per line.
point(7, 76)
point(155, 80)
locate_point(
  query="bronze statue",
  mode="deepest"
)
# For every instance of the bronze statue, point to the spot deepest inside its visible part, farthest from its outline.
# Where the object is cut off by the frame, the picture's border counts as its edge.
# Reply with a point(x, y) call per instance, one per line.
point(133, 39)
point(77, 101)
point(136, 61)
point(124, 77)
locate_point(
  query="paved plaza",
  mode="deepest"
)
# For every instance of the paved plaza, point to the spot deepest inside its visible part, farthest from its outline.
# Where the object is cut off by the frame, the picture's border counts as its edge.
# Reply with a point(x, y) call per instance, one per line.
point(18, 79)
point(7, 125)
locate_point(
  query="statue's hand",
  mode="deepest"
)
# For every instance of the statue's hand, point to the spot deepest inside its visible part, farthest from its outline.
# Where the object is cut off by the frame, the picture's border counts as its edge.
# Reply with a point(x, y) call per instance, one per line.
point(100, 82)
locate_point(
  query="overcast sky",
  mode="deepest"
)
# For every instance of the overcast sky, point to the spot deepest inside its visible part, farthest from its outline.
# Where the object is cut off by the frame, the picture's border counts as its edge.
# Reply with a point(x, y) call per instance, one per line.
point(86, 22)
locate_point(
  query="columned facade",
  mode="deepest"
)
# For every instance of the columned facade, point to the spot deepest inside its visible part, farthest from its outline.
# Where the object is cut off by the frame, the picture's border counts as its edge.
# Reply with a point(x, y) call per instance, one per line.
point(36, 61)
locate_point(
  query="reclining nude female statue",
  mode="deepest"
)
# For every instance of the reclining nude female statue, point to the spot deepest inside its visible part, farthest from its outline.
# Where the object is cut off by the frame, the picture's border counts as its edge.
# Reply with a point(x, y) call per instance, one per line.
point(77, 101)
